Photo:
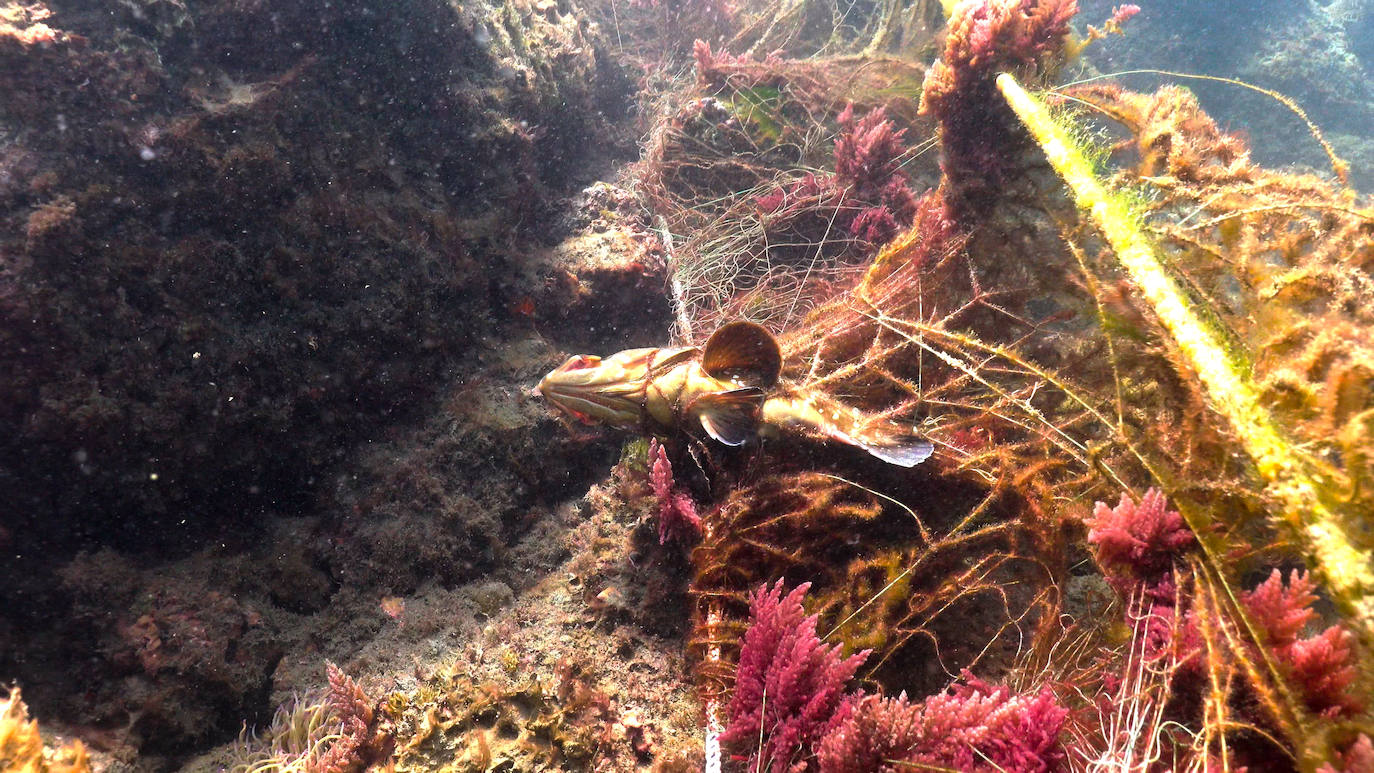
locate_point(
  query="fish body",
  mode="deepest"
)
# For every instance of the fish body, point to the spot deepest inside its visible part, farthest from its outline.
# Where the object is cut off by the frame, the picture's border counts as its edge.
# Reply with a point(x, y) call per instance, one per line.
point(729, 388)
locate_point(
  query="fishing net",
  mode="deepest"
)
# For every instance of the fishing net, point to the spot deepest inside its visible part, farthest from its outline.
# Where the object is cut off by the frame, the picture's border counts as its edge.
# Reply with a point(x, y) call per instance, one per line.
point(1002, 327)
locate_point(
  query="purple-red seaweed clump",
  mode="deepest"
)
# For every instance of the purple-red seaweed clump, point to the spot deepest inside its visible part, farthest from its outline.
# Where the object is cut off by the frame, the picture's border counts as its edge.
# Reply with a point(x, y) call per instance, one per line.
point(677, 513)
point(790, 691)
point(868, 195)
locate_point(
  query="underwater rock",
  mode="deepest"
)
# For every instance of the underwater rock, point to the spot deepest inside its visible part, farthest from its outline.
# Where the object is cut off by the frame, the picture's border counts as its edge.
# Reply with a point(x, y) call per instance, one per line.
point(606, 282)
point(180, 656)
point(203, 254)
point(238, 238)
point(1320, 54)
point(447, 501)
point(562, 680)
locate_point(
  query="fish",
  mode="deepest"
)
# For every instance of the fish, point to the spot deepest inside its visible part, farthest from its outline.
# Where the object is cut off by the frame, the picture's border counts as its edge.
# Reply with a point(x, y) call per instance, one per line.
point(730, 389)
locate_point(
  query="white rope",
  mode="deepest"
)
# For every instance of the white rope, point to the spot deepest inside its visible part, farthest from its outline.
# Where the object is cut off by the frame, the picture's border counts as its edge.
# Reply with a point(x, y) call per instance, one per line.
point(713, 728)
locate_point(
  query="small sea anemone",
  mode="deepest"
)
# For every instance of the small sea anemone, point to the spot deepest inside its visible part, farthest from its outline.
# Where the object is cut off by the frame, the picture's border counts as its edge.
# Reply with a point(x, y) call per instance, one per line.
point(328, 731)
point(301, 732)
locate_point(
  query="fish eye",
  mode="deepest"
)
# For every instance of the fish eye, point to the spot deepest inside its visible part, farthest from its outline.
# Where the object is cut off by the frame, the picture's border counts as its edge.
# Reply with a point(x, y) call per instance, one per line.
point(582, 362)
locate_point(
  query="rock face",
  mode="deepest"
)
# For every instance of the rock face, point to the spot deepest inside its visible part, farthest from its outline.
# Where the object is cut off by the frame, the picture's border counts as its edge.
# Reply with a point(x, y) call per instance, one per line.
point(237, 238)
point(250, 221)
point(1320, 54)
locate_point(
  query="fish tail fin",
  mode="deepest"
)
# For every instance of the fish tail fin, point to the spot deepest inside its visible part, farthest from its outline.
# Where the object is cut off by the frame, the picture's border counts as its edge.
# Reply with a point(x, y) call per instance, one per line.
point(890, 443)
point(819, 416)
point(902, 450)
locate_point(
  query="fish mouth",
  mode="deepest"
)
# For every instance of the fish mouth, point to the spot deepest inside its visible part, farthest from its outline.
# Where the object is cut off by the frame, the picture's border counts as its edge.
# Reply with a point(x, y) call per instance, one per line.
point(564, 381)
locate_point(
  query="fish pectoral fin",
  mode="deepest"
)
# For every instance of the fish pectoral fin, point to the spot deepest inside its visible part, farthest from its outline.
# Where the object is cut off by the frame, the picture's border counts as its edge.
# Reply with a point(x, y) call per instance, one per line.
point(731, 417)
point(902, 450)
point(743, 352)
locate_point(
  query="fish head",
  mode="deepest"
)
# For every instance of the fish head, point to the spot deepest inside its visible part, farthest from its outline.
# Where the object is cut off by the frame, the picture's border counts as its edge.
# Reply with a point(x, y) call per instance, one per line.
point(608, 390)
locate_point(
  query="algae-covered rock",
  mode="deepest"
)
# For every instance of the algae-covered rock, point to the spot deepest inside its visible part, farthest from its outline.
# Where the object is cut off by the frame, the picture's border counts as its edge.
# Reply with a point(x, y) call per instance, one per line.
point(215, 237)
point(236, 239)
point(1320, 54)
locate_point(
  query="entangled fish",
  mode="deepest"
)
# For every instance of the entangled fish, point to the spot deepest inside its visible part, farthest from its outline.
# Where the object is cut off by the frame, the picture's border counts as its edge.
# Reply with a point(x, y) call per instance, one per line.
point(730, 388)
